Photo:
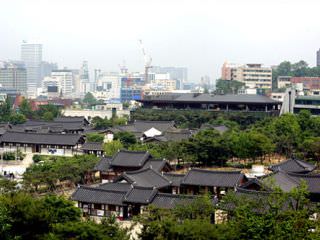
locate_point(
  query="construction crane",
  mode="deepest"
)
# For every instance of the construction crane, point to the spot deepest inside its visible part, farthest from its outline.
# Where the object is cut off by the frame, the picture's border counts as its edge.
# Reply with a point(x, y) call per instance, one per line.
point(147, 62)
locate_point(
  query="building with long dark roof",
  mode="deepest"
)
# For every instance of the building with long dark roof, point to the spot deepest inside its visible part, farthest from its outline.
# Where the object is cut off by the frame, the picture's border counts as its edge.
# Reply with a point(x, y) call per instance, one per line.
point(204, 101)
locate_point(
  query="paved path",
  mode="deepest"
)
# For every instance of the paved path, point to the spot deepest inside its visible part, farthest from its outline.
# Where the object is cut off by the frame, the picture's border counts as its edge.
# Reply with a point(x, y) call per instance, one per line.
point(16, 167)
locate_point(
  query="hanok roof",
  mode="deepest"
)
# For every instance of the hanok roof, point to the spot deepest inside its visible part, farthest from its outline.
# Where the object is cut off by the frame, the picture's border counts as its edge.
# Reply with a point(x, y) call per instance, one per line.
point(55, 126)
point(280, 179)
point(71, 119)
point(167, 200)
point(174, 136)
point(124, 158)
point(92, 146)
point(156, 164)
point(312, 180)
point(103, 164)
point(96, 195)
point(201, 177)
point(41, 138)
point(142, 126)
point(293, 165)
point(145, 178)
point(140, 195)
point(175, 178)
point(122, 187)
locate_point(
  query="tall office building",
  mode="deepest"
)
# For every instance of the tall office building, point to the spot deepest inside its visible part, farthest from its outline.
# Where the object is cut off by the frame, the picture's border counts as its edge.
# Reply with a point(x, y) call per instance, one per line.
point(47, 68)
point(318, 58)
point(31, 55)
point(65, 78)
point(14, 77)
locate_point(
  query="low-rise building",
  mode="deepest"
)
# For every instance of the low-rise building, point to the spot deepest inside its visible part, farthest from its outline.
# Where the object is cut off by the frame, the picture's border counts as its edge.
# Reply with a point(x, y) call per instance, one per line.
point(43, 143)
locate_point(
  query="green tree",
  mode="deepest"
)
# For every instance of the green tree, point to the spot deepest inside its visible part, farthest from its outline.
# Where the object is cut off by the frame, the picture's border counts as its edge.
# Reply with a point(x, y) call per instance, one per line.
point(84, 230)
point(100, 123)
point(94, 137)
point(89, 99)
point(48, 173)
point(17, 118)
point(111, 148)
point(278, 215)
point(7, 186)
point(6, 110)
point(26, 109)
point(286, 132)
point(48, 116)
point(228, 87)
point(126, 138)
point(43, 111)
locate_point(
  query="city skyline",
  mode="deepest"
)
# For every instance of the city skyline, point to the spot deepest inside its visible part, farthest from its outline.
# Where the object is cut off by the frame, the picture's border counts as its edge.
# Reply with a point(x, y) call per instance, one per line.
point(197, 36)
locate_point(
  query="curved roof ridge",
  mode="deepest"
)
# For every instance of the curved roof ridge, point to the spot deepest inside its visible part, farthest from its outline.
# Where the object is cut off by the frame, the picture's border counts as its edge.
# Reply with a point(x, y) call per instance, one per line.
point(132, 151)
point(214, 171)
point(42, 133)
point(100, 189)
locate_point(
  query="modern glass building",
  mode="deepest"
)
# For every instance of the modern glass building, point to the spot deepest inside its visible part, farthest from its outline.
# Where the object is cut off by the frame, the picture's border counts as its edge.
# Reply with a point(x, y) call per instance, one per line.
point(31, 55)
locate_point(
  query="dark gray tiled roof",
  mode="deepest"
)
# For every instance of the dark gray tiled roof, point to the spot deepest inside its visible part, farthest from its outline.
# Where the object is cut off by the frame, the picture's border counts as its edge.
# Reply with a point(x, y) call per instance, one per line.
point(71, 119)
point(140, 195)
point(280, 179)
point(167, 200)
point(48, 126)
point(155, 164)
point(140, 126)
point(201, 177)
point(96, 195)
point(210, 98)
point(175, 178)
point(293, 165)
point(122, 187)
point(312, 180)
point(92, 146)
point(41, 138)
point(124, 158)
point(103, 164)
point(162, 126)
point(145, 178)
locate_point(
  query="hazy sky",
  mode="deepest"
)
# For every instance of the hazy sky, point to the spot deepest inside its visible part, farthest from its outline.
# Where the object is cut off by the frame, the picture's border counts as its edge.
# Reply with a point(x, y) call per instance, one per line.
point(197, 34)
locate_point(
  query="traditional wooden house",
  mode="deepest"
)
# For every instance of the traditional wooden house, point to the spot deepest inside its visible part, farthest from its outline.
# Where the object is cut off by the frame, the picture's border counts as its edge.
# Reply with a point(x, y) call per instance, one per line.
point(125, 161)
point(123, 200)
point(216, 182)
point(44, 143)
point(95, 148)
point(293, 165)
point(65, 125)
point(286, 181)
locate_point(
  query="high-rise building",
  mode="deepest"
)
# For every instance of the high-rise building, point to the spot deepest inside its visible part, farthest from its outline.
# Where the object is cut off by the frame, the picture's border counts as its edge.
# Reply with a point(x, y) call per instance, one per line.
point(318, 58)
point(13, 76)
point(31, 55)
point(108, 86)
point(46, 69)
point(65, 78)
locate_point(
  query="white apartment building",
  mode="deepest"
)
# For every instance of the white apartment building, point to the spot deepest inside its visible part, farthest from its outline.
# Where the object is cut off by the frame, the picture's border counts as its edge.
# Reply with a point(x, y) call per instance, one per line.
point(65, 77)
point(108, 86)
point(163, 81)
